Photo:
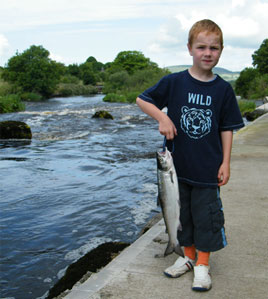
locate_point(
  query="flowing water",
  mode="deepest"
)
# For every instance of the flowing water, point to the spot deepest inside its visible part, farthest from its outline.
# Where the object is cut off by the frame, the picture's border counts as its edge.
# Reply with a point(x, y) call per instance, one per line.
point(80, 182)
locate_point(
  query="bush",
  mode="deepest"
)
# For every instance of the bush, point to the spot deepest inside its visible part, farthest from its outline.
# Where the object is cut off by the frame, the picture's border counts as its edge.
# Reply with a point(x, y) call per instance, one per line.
point(113, 98)
point(5, 88)
point(131, 96)
point(246, 106)
point(89, 90)
point(31, 97)
point(70, 89)
point(11, 103)
point(70, 79)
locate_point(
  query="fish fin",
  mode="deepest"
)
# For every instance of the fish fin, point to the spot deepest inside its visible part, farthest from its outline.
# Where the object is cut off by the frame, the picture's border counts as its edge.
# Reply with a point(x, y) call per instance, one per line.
point(169, 249)
point(171, 177)
point(158, 200)
point(178, 250)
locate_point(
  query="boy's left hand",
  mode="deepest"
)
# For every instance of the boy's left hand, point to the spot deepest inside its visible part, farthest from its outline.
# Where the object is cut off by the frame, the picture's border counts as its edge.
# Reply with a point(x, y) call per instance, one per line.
point(223, 174)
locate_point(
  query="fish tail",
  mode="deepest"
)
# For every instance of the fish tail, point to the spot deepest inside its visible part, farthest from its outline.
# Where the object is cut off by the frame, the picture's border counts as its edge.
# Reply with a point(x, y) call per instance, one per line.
point(170, 249)
point(178, 250)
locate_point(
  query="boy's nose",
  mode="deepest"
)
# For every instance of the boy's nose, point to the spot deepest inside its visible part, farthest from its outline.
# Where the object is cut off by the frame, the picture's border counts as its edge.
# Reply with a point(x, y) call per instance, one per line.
point(208, 52)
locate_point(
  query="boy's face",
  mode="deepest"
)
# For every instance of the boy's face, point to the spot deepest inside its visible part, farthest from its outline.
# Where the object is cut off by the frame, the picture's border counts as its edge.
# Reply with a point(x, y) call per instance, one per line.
point(206, 51)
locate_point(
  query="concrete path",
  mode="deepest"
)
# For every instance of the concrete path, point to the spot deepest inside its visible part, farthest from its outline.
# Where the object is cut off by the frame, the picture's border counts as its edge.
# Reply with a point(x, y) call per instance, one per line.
point(238, 271)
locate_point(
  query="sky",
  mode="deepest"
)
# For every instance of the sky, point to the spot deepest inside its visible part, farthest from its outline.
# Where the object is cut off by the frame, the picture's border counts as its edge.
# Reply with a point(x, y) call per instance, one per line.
point(73, 30)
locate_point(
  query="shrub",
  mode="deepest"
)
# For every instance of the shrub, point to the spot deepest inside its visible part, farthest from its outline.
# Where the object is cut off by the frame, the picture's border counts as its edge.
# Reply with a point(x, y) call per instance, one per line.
point(31, 97)
point(70, 89)
point(246, 106)
point(113, 97)
point(131, 96)
point(6, 88)
point(11, 103)
point(89, 90)
point(69, 79)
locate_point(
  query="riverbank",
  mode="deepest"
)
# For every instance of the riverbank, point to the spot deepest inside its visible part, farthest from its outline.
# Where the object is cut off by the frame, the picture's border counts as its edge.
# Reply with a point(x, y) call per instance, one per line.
point(242, 265)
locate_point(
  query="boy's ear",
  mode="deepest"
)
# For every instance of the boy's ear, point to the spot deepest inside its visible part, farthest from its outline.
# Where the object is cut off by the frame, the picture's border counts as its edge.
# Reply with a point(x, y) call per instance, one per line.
point(189, 49)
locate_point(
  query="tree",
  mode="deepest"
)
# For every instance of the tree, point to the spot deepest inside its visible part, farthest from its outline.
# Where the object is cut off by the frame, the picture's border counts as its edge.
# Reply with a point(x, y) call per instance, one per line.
point(260, 58)
point(34, 71)
point(97, 66)
point(117, 81)
point(131, 61)
point(87, 73)
point(259, 87)
point(74, 70)
point(243, 83)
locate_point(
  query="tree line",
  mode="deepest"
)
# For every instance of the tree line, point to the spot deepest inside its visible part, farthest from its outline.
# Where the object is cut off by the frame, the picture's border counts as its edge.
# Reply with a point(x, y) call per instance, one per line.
point(33, 76)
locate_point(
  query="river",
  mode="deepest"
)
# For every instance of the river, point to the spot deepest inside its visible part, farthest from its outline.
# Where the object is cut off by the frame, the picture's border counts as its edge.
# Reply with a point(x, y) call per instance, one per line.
point(80, 182)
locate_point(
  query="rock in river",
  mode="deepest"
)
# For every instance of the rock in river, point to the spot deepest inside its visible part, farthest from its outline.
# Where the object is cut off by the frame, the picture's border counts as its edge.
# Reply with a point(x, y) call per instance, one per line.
point(14, 130)
point(102, 114)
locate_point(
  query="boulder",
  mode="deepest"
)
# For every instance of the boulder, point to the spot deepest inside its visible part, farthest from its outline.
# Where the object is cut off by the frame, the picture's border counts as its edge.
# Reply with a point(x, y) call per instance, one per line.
point(14, 130)
point(102, 114)
point(91, 262)
point(251, 116)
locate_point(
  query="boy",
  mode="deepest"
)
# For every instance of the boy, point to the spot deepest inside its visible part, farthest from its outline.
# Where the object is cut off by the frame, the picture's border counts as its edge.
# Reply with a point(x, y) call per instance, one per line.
point(202, 114)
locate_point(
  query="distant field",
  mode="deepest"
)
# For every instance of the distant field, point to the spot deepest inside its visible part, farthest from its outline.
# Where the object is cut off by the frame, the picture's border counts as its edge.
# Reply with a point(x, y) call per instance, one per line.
point(224, 73)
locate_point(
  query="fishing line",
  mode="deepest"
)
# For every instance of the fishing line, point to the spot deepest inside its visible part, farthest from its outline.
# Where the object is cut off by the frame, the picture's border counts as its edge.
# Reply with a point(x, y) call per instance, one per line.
point(165, 142)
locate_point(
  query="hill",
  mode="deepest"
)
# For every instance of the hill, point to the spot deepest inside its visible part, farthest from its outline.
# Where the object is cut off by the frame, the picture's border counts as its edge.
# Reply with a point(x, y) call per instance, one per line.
point(224, 73)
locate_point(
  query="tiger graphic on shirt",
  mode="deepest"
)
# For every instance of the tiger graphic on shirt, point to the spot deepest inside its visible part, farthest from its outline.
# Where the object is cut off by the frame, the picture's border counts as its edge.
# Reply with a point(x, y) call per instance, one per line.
point(196, 123)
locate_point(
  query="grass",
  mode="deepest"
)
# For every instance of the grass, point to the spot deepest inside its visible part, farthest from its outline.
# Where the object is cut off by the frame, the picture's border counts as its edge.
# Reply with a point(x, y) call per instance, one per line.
point(246, 106)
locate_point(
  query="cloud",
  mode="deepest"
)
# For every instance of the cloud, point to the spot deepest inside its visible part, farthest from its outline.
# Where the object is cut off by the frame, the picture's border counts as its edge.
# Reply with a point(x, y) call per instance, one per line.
point(243, 23)
point(57, 57)
point(4, 45)
point(31, 13)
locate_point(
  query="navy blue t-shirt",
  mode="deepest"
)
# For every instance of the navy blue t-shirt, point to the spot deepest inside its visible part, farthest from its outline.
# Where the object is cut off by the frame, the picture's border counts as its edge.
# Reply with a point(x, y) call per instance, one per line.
point(200, 111)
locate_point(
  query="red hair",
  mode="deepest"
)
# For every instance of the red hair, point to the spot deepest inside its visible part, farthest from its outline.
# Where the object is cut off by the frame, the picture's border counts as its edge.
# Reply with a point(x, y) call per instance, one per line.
point(204, 26)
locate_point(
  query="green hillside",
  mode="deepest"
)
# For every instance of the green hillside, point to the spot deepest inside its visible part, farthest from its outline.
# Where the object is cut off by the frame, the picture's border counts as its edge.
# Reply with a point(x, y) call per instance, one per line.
point(224, 73)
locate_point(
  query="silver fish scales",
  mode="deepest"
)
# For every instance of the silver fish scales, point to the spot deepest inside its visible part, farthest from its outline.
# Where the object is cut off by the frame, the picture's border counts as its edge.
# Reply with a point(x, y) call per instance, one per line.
point(169, 199)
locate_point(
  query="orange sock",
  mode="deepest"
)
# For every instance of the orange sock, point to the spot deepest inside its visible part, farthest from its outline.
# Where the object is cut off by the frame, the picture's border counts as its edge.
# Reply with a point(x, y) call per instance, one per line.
point(203, 258)
point(190, 252)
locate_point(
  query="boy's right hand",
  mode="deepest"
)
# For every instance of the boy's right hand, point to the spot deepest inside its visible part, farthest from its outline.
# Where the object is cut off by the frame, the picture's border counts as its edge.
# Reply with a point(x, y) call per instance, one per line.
point(167, 128)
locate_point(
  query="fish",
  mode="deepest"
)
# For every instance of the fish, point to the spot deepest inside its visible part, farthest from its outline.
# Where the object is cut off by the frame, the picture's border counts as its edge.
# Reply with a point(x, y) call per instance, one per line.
point(169, 199)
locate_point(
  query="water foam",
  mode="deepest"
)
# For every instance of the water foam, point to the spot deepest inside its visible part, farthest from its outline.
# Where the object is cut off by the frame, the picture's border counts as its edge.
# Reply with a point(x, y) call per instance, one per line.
point(76, 254)
point(144, 207)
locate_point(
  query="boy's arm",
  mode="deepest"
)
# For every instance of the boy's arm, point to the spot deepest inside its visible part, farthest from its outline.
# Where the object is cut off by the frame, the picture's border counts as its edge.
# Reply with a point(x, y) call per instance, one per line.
point(166, 126)
point(224, 170)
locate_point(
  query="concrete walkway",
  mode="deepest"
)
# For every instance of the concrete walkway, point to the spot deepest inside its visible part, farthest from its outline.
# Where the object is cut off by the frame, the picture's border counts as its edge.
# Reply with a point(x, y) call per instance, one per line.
point(238, 271)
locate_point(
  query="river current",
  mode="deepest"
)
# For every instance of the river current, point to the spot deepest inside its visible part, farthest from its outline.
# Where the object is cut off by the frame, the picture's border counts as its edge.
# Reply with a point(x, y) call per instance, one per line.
point(80, 182)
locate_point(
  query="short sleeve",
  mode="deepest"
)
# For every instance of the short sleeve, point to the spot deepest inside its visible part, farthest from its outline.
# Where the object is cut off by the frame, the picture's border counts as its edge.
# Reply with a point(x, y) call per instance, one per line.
point(157, 94)
point(230, 118)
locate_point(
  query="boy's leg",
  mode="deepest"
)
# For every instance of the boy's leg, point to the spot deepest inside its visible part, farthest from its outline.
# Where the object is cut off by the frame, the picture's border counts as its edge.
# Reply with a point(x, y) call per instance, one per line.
point(203, 258)
point(209, 233)
point(202, 279)
point(182, 265)
point(190, 251)
point(208, 219)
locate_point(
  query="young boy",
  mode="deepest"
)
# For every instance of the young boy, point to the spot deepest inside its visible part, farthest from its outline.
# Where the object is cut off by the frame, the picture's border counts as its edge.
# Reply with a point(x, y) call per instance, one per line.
point(202, 114)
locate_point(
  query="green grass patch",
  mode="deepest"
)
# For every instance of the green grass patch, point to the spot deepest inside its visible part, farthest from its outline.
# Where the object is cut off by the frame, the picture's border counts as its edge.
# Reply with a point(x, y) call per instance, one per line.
point(11, 103)
point(246, 106)
point(72, 89)
point(127, 97)
point(114, 98)
point(31, 97)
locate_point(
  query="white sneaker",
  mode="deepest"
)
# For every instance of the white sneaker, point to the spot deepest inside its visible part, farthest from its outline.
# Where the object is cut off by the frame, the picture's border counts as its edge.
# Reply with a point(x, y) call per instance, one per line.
point(181, 266)
point(202, 279)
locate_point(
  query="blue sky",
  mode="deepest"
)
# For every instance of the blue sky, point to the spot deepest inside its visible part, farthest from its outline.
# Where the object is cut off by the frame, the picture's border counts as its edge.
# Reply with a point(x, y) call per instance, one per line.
point(74, 30)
